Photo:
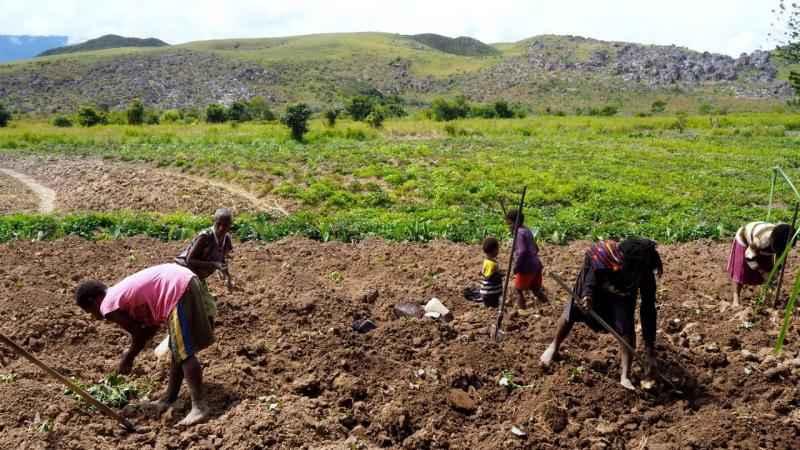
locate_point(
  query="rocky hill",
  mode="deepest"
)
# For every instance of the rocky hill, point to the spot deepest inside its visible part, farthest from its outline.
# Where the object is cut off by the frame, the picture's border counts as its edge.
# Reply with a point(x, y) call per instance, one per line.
point(105, 42)
point(557, 72)
point(464, 46)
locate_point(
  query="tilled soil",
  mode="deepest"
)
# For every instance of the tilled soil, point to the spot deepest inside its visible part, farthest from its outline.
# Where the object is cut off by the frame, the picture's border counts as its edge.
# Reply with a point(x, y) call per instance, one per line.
point(16, 197)
point(105, 185)
point(288, 372)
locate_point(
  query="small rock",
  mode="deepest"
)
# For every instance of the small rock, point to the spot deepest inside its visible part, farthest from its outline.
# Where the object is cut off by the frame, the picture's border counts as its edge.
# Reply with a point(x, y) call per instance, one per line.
point(408, 310)
point(368, 296)
point(435, 309)
point(747, 355)
point(674, 326)
point(712, 348)
point(307, 385)
point(695, 340)
point(777, 372)
point(364, 326)
point(461, 401)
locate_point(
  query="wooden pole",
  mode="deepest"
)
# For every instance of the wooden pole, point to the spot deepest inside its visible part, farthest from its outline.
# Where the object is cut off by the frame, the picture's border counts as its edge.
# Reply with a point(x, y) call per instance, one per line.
point(783, 266)
point(69, 383)
point(501, 309)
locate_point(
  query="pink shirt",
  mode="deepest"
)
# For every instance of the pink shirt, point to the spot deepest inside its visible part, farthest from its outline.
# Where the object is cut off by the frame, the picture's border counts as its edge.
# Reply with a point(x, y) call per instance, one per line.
point(150, 295)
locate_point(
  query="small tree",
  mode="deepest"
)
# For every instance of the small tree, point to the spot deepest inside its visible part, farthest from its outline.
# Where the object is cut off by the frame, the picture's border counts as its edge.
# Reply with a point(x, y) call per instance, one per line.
point(136, 113)
point(238, 112)
point(331, 115)
point(5, 116)
point(89, 117)
point(681, 122)
point(296, 118)
point(658, 107)
point(503, 110)
point(62, 122)
point(376, 117)
point(442, 109)
point(259, 109)
point(359, 107)
point(215, 113)
point(170, 116)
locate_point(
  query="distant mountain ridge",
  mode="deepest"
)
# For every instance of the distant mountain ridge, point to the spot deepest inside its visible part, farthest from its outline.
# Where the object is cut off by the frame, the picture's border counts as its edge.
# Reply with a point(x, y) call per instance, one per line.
point(16, 47)
point(544, 73)
point(462, 45)
point(105, 42)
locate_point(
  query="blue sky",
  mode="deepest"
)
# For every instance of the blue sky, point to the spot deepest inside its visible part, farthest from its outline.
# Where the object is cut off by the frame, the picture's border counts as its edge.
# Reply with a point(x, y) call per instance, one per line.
point(724, 26)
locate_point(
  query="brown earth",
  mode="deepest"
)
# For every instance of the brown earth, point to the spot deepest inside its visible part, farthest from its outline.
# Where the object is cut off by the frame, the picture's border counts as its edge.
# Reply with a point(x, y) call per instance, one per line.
point(105, 185)
point(15, 197)
point(288, 371)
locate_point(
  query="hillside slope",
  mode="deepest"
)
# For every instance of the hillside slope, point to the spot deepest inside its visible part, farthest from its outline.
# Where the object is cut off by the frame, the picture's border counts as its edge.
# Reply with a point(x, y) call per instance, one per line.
point(105, 42)
point(557, 72)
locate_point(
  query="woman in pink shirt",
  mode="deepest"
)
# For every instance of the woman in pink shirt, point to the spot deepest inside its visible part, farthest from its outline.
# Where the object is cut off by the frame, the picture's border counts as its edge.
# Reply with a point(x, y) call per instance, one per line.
point(140, 304)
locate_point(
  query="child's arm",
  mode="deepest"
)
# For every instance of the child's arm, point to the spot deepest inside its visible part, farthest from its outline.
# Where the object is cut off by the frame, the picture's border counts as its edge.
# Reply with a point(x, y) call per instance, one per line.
point(140, 335)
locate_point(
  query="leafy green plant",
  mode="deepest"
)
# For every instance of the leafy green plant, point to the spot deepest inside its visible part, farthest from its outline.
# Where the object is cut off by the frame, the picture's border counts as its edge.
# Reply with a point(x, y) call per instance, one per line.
point(89, 117)
point(135, 113)
point(658, 107)
point(360, 107)
point(238, 112)
point(61, 121)
point(113, 391)
point(216, 114)
point(331, 115)
point(376, 117)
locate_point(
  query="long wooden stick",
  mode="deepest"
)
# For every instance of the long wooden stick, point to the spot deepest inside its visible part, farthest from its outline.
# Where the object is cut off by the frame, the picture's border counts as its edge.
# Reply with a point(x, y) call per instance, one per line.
point(502, 307)
point(783, 266)
point(69, 383)
point(590, 312)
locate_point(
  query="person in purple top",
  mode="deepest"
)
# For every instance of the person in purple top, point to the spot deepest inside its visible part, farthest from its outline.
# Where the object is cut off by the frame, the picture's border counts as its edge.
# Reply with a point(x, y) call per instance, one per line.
point(527, 265)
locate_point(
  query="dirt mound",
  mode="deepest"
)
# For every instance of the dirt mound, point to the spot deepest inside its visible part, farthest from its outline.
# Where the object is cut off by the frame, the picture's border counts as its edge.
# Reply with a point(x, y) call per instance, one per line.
point(288, 371)
point(15, 197)
point(102, 185)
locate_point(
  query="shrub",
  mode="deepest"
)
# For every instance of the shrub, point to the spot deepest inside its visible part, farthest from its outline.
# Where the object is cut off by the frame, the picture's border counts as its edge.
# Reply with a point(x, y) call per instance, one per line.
point(658, 106)
point(483, 111)
point(359, 107)
point(61, 122)
point(445, 110)
point(681, 121)
point(136, 113)
point(215, 113)
point(89, 117)
point(296, 118)
point(393, 106)
point(151, 117)
point(503, 110)
point(259, 109)
point(376, 117)
point(5, 116)
point(238, 112)
point(609, 111)
point(331, 115)
point(705, 108)
point(170, 116)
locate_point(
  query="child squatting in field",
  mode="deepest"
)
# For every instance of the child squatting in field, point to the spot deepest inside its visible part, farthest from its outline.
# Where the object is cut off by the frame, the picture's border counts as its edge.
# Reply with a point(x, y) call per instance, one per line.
point(166, 294)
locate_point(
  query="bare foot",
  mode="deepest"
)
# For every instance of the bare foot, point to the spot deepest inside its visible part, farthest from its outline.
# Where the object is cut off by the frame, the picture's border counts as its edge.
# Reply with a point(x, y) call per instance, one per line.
point(626, 383)
point(547, 356)
point(196, 415)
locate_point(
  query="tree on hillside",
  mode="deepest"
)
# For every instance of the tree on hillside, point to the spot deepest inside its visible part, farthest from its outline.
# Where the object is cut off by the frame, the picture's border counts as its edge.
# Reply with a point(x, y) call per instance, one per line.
point(296, 118)
point(89, 117)
point(359, 107)
point(5, 116)
point(238, 112)
point(331, 115)
point(259, 109)
point(215, 113)
point(136, 113)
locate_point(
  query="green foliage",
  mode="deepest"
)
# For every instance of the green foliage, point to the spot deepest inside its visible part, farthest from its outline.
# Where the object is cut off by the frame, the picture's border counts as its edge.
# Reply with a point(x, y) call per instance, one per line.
point(296, 118)
point(216, 114)
point(89, 117)
point(705, 108)
point(446, 110)
point(681, 122)
point(331, 115)
point(258, 109)
point(170, 116)
point(5, 116)
point(658, 107)
point(359, 107)
point(112, 391)
point(238, 112)
point(135, 113)
point(376, 117)
point(61, 121)
point(503, 110)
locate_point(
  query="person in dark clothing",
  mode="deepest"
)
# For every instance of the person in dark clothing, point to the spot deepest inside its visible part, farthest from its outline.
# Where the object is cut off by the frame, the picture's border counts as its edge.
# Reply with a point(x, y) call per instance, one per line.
point(611, 278)
point(208, 251)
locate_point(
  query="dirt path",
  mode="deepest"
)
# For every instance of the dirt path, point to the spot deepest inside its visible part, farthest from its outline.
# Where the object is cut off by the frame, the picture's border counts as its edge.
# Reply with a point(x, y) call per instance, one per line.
point(101, 185)
point(47, 196)
point(288, 372)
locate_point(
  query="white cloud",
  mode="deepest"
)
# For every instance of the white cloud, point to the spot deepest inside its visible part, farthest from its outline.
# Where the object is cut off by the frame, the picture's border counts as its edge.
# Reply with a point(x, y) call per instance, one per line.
point(727, 26)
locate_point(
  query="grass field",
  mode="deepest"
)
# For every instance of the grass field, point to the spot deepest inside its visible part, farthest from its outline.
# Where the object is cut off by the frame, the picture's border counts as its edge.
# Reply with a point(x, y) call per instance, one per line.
point(419, 180)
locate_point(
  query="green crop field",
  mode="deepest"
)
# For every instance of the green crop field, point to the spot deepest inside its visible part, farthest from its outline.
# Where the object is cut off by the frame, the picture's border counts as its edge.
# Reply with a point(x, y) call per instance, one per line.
point(421, 180)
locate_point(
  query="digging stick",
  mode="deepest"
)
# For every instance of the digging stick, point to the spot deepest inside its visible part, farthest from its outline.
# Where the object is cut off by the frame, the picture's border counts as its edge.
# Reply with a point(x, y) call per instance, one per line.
point(70, 384)
point(609, 328)
point(783, 266)
point(497, 333)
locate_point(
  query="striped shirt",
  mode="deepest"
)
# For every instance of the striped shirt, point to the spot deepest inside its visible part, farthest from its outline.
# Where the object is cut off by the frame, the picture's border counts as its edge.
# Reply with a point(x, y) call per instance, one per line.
point(492, 282)
point(757, 237)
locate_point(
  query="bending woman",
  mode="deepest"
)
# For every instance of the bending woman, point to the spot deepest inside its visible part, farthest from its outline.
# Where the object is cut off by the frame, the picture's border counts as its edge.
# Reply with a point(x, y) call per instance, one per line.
point(753, 253)
point(611, 278)
point(209, 250)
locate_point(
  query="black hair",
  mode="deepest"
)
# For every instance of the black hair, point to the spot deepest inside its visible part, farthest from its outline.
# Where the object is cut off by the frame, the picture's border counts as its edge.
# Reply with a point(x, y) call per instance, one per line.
point(87, 292)
point(490, 245)
point(780, 237)
point(640, 255)
point(223, 214)
point(511, 216)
